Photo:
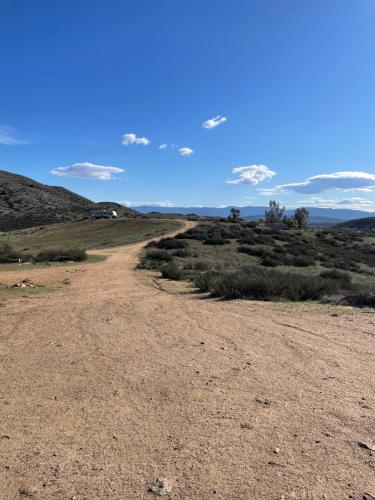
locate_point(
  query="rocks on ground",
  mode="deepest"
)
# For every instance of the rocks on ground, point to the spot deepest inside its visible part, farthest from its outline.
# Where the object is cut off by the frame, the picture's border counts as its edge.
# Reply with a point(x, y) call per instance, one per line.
point(160, 487)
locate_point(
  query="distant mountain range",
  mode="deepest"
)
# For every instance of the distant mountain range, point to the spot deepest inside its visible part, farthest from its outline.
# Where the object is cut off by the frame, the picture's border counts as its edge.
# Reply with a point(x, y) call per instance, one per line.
point(27, 203)
point(322, 216)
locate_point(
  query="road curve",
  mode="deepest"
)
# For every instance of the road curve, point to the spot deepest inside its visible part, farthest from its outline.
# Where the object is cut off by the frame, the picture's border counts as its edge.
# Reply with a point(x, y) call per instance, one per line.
point(110, 382)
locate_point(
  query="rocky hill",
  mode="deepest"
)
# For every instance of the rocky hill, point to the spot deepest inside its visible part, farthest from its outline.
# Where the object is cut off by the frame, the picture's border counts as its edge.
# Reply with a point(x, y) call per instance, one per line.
point(27, 203)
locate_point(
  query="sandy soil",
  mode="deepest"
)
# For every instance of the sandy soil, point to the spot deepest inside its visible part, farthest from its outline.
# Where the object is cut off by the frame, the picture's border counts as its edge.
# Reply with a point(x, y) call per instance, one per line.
point(119, 379)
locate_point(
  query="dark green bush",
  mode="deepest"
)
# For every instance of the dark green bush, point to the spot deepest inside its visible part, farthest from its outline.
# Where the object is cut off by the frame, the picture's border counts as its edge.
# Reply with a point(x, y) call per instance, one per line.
point(201, 265)
point(263, 284)
point(172, 243)
point(256, 251)
point(361, 299)
point(300, 261)
point(270, 261)
point(158, 255)
point(181, 252)
point(152, 244)
point(171, 271)
point(344, 279)
point(204, 281)
point(61, 255)
point(216, 241)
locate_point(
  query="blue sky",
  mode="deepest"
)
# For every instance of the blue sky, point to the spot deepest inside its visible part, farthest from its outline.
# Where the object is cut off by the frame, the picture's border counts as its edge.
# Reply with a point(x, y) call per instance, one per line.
point(292, 83)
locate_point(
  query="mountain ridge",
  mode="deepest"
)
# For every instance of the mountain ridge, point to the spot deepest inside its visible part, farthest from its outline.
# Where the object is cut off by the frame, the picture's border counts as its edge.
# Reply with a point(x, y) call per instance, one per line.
point(317, 214)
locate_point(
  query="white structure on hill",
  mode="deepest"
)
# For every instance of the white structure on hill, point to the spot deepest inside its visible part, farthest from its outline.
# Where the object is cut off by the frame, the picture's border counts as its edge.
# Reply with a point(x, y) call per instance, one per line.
point(103, 214)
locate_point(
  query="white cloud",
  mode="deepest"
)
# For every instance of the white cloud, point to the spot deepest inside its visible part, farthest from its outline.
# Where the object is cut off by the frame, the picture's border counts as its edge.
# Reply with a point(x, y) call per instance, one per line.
point(348, 203)
point(185, 151)
point(87, 171)
point(163, 203)
point(163, 146)
point(10, 137)
point(133, 139)
point(214, 122)
point(251, 174)
point(345, 181)
point(269, 191)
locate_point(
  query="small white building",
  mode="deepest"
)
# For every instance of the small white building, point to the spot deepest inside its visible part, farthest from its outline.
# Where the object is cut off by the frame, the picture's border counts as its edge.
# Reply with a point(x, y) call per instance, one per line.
point(103, 214)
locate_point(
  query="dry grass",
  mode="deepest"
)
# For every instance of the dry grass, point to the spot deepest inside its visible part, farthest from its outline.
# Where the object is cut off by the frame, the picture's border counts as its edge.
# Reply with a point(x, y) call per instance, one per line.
point(89, 234)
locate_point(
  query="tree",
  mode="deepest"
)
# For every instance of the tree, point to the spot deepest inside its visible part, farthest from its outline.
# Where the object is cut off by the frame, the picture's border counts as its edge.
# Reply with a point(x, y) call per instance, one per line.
point(301, 216)
point(275, 212)
point(234, 215)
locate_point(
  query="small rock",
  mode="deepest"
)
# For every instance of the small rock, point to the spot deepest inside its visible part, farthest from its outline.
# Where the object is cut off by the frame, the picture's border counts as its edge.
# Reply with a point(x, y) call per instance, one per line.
point(245, 425)
point(368, 446)
point(24, 283)
point(265, 402)
point(276, 450)
point(160, 487)
point(27, 491)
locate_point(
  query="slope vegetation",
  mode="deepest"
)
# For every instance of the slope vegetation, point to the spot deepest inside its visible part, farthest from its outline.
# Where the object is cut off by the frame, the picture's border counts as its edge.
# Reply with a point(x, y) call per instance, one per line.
point(88, 234)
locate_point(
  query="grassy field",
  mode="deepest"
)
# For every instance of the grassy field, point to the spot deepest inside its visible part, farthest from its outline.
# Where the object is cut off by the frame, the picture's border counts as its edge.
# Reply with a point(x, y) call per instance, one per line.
point(88, 234)
point(91, 259)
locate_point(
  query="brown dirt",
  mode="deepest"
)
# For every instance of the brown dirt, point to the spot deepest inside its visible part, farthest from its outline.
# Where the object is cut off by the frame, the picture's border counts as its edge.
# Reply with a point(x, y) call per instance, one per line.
point(117, 380)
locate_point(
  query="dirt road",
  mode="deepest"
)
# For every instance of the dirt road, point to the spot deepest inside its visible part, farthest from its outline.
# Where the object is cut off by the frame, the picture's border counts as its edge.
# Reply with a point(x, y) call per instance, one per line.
point(112, 382)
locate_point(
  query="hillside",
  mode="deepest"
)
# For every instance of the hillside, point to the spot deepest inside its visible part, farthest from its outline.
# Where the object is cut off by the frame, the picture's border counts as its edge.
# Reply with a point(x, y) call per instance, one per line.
point(87, 234)
point(362, 224)
point(26, 203)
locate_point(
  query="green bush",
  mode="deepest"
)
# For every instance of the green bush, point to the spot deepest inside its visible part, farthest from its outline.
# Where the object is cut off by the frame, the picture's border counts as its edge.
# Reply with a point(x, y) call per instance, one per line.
point(263, 284)
point(201, 265)
point(216, 241)
point(360, 299)
point(172, 243)
point(182, 252)
point(300, 261)
point(344, 279)
point(171, 271)
point(205, 281)
point(61, 255)
point(158, 255)
point(269, 261)
point(256, 251)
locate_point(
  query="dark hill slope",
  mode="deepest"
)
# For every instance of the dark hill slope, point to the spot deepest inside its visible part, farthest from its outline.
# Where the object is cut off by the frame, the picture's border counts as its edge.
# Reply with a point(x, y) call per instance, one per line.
point(27, 203)
point(361, 224)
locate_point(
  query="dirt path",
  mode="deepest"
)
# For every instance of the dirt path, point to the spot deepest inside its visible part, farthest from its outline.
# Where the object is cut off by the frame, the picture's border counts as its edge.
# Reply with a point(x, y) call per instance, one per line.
point(111, 382)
